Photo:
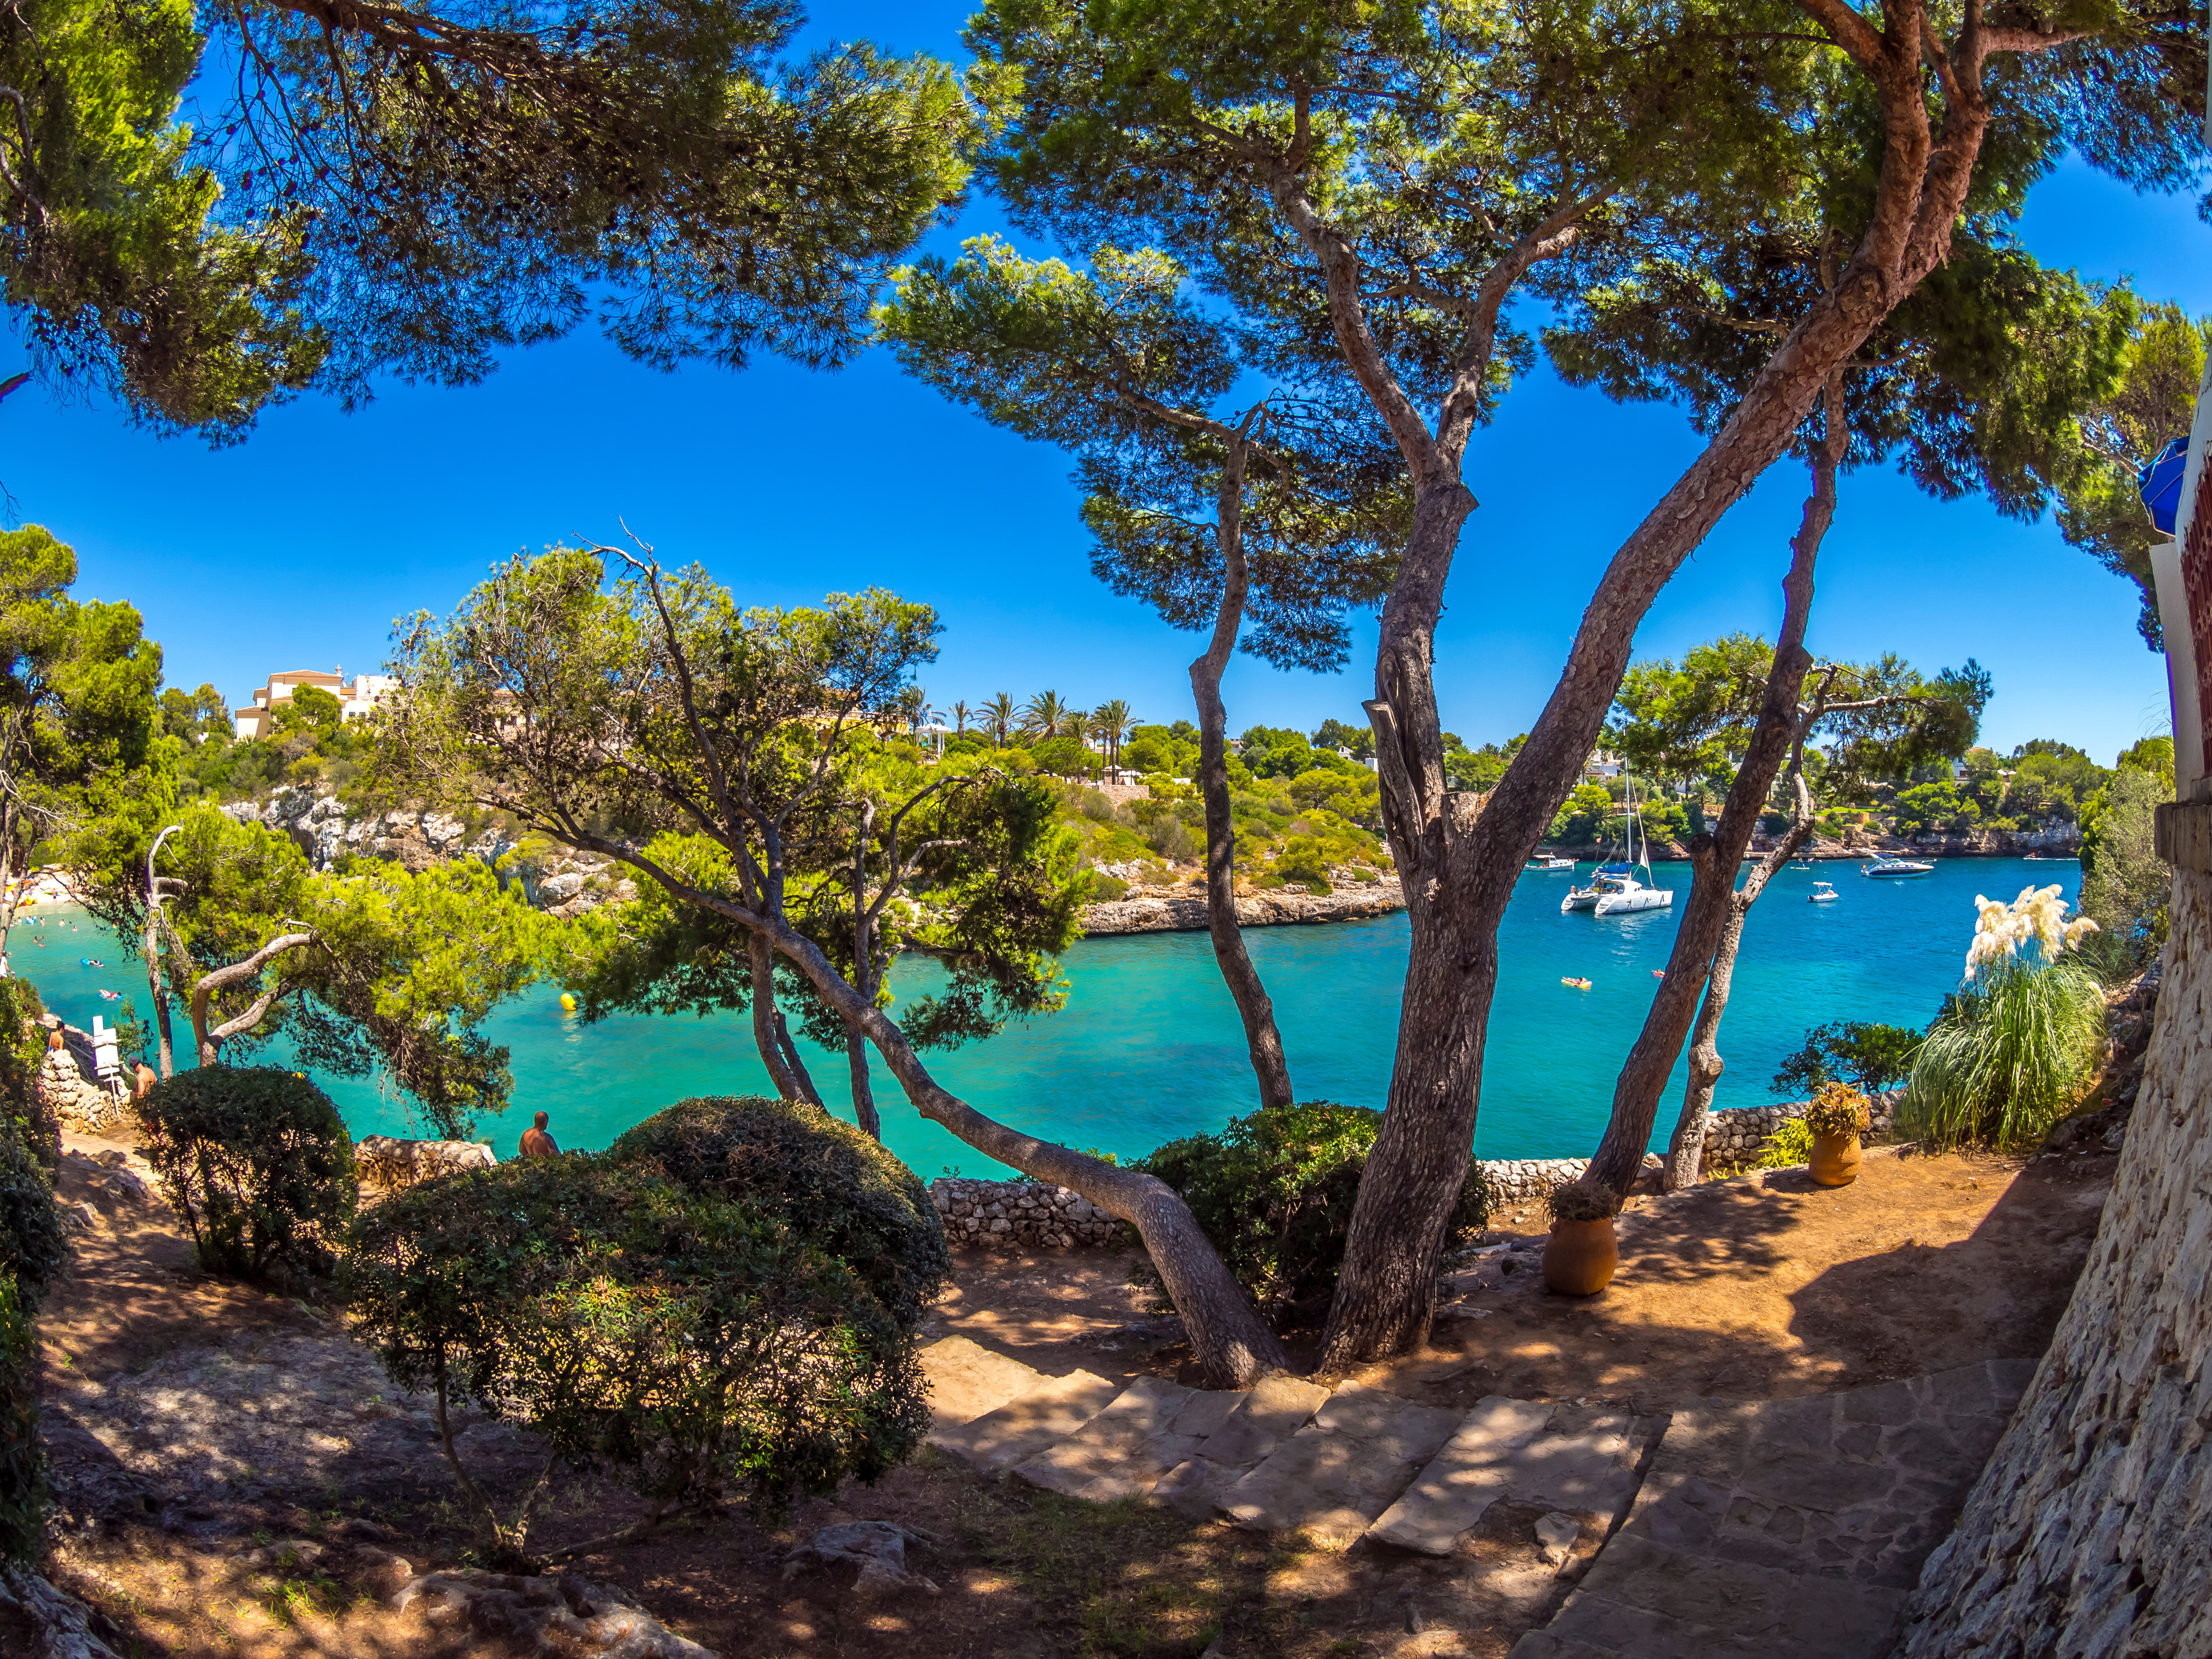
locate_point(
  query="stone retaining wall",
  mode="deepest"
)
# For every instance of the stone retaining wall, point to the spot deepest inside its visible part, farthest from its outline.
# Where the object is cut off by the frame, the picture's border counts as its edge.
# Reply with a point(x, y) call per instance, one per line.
point(1733, 1136)
point(1515, 1181)
point(1028, 1213)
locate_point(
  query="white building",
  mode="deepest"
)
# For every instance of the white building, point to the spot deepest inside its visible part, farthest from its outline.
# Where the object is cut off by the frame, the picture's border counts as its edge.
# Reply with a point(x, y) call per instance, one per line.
point(355, 700)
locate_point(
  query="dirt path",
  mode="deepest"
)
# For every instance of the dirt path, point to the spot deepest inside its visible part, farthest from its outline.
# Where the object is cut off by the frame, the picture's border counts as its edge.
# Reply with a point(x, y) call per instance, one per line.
point(201, 1430)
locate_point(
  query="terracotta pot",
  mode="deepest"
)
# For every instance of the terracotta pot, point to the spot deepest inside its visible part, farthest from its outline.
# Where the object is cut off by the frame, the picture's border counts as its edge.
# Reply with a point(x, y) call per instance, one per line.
point(1580, 1257)
point(1835, 1160)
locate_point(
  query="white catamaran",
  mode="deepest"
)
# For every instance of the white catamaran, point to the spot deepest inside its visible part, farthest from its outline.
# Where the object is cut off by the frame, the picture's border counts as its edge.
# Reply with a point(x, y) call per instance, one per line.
point(1614, 891)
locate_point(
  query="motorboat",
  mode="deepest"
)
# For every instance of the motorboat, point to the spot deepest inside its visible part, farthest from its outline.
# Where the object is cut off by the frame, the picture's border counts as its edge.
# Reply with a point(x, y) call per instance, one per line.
point(1824, 892)
point(1615, 890)
point(1550, 864)
point(1887, 866)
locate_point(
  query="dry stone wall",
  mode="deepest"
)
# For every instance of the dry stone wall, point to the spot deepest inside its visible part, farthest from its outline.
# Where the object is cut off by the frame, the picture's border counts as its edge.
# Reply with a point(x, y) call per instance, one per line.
point(1030, 1213)
point(2090, 1531)
point(1733, 1136)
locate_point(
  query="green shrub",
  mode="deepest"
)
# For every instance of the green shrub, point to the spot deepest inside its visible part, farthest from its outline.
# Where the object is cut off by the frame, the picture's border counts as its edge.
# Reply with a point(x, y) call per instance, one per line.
point(832, 1185)
point(23, 1498)
point(2008, 1056)
point(1274, 1193)
point(257, 1163)
point(1869, 1056)
point(32, 1246)
point(1787, 1147)
point(693, 1345)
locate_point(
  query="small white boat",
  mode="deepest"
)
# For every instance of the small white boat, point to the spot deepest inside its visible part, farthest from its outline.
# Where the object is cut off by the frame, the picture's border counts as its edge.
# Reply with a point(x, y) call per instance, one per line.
point(1801, 864)
point(1824, 892)
point(1550, 864)
point(1896, 867)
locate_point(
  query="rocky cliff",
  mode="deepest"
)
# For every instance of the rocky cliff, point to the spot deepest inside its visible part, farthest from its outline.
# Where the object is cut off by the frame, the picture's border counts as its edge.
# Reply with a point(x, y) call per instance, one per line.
point(564, 884)
point(1183, 909)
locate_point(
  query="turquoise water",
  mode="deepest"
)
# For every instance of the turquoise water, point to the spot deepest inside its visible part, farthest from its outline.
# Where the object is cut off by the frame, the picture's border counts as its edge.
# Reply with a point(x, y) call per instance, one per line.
point(1149, 1046)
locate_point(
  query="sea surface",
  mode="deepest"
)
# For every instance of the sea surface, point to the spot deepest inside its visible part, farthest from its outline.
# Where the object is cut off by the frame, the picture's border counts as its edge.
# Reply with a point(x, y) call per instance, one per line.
point(1149, 1047)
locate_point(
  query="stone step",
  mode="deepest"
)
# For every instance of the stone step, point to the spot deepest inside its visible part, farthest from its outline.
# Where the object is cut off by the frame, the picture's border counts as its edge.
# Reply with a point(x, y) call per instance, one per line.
point(1342, 1469)
point(1152, 1427)
point(966, 1380)
point(1569, 1459)
point(1055, 1409)
point(1270, 1413)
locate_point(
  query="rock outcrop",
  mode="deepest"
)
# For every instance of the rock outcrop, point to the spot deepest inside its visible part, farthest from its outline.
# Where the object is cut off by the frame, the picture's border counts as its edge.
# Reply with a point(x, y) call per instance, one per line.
point(565, 884)
point(388, 1161)
point(2090, 1530)
point(1183, 910)
point(75, 1099)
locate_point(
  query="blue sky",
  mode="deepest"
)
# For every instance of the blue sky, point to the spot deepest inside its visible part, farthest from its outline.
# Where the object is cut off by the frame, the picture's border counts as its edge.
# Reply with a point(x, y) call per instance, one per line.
point(300, 547)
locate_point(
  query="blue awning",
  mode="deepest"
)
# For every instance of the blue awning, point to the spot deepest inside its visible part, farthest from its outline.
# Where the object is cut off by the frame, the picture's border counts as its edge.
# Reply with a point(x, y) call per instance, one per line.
point(2159, 483)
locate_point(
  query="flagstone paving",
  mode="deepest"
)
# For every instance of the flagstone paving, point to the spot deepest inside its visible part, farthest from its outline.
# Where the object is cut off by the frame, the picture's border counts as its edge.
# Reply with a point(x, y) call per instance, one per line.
point(1789, 1528)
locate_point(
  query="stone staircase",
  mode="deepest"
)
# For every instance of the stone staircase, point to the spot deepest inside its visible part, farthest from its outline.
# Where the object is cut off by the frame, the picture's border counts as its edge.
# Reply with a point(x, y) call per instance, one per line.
point(1793, 1529)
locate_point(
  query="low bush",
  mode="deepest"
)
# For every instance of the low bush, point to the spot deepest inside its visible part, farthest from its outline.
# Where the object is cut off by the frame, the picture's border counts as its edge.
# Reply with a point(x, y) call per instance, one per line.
point(1873, 1056)
point(1274, 1193)
point(830, 1184)
point(1787, 1147)
point(696, 1347)
point(32, 1246)
point(23, 1495)
point(257, 1162)
point(2008, 1057)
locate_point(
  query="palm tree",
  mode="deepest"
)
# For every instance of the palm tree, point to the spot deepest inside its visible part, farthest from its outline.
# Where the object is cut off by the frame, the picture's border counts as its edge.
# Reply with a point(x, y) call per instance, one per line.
point(997, 717)
point(1045, 715)
point(912, 706)
point(961, 714)
point(1111, 723)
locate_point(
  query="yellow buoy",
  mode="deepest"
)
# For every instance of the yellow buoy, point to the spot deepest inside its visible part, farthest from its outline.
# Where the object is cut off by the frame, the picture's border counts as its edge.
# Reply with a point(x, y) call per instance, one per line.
point(567, 1003)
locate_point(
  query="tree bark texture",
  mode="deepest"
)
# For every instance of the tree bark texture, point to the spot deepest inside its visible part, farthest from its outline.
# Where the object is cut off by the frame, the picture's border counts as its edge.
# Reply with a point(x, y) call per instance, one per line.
point(762, 956)
point(1715, 857)
point(1686, 1148)
point(1254, 1006)
point(1457, 884)
point(863, 1096)
point(2087, 1531)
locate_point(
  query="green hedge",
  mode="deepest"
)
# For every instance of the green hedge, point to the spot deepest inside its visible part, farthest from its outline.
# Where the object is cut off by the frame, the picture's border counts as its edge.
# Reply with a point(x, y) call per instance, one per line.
point(693, 1345)
point(832, 1185)
point(1274, 1191)
point(23, 1498)
point(257, 1163)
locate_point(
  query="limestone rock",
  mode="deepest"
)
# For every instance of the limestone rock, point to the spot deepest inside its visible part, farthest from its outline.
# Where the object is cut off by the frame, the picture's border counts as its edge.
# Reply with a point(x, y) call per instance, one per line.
point(1555, 1535)
point(388, 1161)
point(558, 1617)
point(878, 1547)
point(73, 1097)
point(37, 1621)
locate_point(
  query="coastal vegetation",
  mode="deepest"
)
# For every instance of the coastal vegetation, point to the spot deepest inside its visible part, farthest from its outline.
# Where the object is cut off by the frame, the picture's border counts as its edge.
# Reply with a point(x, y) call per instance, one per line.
point(1274, 1191)
point(257, 1164)
point(2015, 1049)
point(702, 1347)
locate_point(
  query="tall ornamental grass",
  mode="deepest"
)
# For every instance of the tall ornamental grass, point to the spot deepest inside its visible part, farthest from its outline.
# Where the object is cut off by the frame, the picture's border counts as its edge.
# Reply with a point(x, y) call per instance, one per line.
point(2016, 1049)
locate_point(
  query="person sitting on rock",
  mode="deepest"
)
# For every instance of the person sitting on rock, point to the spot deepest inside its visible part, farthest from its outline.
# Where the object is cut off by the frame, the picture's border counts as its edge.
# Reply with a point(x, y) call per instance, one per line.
point(536, 1142)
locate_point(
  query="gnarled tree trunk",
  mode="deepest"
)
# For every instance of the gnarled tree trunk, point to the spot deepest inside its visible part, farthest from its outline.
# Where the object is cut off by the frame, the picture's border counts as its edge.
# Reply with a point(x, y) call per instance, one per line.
point(1686, 1149)
point(1233, 1345)
point(1254, 1006)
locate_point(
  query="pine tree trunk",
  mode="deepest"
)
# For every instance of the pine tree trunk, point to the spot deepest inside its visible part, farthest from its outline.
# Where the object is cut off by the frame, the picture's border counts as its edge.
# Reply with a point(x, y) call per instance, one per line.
point(1254, 1006)
point(863, 1098)
point(1712, 901)
point(762, 954)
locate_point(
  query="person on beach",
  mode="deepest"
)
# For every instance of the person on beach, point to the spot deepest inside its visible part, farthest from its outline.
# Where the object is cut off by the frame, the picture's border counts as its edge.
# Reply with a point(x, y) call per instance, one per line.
point(536, 1142)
